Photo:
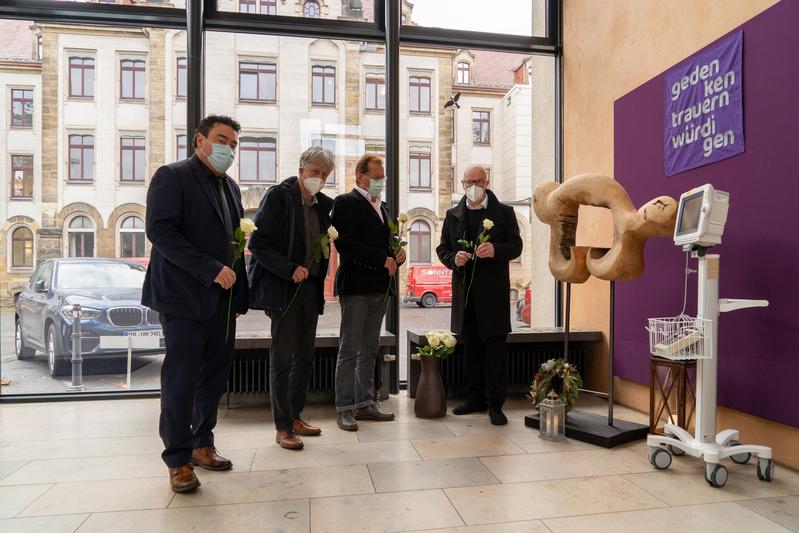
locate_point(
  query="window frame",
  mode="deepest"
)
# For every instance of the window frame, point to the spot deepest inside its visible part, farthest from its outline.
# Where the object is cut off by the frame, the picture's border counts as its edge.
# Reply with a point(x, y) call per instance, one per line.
point(83, 68)
point(257, 71)
point(70, 230)
point(377, 81)
point(178, 135)
point(417, 86)
point(324, 75)
point(134, 69)
point(82, 147)
point(135, 137)
point(184, 68)
point(13, 240)
point(414, 246)
point(14, 168)
point(260, 138)
point(466, 72)
point(22, 100)
point(123, 232)
point(484, 124)
point(308, 3)
point(417, 154)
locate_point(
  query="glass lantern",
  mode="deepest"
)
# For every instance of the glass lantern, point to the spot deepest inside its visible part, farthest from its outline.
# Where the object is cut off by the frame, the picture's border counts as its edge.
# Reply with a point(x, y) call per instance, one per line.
point(552, 418)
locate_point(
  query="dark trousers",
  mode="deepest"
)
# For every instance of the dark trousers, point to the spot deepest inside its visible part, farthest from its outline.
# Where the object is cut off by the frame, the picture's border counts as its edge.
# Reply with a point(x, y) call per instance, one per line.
point(193, 378)
point(486, 363)
point(291, 355)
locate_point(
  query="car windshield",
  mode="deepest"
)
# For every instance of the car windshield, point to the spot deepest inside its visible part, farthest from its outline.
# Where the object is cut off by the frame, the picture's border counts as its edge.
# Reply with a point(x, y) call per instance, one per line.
point(101, 275)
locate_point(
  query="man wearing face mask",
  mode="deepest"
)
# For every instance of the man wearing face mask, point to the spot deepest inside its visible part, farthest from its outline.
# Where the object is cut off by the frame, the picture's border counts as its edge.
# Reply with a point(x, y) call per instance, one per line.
point(484, 321)
point(291, 217)
point(193, 209)
point(366, 269)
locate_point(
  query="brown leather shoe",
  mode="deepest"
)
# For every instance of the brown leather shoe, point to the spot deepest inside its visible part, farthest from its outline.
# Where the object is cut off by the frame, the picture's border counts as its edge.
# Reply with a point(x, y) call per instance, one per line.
point(288, 440)
point(301, 427)
point(210, 459)
point(182, 479)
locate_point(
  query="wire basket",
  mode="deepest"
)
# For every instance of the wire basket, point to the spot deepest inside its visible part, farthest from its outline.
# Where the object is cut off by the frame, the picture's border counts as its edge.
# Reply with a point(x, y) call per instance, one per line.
point(680, 338)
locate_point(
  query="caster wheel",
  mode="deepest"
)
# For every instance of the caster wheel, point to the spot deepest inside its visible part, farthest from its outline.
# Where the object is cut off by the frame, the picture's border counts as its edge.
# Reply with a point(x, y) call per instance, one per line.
point(765, 469)
point(717, 477)
point(660, 458)
point(739, 458)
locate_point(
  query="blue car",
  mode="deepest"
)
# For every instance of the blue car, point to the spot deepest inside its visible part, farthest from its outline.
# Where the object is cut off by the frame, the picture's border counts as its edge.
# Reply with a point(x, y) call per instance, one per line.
point(109, 294)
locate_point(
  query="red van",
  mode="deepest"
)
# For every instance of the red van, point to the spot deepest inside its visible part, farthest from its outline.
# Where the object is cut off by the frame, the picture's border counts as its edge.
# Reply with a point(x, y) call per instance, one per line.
point(428, 285)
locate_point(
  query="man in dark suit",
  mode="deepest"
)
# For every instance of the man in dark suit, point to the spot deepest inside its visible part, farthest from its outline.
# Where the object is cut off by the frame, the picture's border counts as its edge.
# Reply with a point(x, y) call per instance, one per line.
point(366, 269)
point(193, 209)
point(484, 321)
point(289, 285)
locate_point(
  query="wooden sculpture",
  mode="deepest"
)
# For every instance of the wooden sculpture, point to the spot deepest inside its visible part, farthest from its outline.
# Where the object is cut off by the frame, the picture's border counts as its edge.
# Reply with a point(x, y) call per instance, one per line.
point(557, 205)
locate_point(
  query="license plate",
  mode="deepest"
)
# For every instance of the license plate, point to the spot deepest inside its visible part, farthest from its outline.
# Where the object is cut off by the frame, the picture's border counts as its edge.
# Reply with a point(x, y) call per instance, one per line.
point(157, 333)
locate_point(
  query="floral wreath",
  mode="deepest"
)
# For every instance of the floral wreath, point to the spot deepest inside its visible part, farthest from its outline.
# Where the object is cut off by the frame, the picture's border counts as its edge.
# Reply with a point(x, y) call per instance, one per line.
point(557, 375)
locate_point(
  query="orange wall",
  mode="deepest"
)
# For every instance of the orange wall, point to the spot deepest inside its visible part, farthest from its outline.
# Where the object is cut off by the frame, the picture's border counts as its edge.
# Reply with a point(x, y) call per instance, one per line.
point(610, 48)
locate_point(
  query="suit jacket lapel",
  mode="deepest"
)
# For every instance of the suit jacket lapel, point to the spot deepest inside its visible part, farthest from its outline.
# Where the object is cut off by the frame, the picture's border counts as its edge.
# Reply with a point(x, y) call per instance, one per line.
point(369, 204)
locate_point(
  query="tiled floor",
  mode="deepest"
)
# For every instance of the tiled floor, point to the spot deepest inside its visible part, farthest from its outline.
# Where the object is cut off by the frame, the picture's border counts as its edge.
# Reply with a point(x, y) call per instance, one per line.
point(95, 467)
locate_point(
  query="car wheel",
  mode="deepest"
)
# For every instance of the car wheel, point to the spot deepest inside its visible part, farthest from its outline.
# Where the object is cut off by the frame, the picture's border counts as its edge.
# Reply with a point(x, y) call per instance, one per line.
point(429, 300)
point(419, 304)
point(55, 360)
point(22, 351)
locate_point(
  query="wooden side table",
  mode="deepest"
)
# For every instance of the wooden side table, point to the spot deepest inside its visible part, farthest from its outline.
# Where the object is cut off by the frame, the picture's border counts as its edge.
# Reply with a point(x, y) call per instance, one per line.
point(672, 393)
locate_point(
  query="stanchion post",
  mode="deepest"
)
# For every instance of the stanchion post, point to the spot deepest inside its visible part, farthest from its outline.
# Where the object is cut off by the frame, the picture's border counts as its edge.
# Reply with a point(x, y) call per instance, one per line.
point(77, 356)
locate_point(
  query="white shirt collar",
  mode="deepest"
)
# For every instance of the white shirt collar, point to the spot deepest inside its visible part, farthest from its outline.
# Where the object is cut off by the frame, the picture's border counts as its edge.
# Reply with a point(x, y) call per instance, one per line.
point(483, 204)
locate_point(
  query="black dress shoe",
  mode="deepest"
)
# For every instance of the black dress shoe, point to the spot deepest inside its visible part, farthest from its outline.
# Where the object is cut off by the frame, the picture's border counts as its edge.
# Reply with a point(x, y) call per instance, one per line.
point(468, 408)
point(346, 422)
point(373, 412)
point(497, 417)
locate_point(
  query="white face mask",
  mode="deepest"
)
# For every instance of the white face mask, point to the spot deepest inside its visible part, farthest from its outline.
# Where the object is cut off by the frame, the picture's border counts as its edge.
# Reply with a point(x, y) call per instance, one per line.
point(475, 194)
point(313, 185)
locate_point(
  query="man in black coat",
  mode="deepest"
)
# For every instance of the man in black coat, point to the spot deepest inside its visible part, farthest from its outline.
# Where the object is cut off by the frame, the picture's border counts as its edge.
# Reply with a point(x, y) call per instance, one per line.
point(483, 321)
point(366, 270)
point(288, 284)
point(193, 209)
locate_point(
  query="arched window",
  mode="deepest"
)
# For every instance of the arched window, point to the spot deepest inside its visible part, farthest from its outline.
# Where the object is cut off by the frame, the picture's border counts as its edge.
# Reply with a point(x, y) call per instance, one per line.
point(311, 9)
point(80, 236)
point(420, 242)
point(22, 248)
point(464, 72)
point(131, 237)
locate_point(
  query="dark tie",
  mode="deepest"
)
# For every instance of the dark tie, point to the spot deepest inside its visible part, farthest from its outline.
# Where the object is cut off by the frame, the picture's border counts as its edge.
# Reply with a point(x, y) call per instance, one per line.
point(225, 209)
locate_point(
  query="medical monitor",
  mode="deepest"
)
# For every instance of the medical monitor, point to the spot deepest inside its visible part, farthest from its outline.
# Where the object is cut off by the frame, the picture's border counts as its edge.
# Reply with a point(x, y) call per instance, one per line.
point(701, 216)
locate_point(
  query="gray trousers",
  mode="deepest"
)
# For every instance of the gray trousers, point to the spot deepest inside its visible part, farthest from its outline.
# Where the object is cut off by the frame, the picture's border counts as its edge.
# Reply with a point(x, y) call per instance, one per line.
point(291, 355)
point(359, 344)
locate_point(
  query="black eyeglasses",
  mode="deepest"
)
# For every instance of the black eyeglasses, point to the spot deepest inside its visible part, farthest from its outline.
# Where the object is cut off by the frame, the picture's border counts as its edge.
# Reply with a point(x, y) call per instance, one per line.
point(469, 183)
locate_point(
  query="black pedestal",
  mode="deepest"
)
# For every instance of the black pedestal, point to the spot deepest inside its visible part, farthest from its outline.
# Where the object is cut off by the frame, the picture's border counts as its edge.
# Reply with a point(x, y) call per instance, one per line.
point(594, 429)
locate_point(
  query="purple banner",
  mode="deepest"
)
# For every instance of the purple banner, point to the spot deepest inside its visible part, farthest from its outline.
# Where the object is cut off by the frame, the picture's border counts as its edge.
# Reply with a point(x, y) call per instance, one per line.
point(704, 107)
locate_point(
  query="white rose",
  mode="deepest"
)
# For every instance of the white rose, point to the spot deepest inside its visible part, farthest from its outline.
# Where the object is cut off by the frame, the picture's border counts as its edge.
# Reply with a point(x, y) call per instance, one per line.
point(434, 341)
point(402, 217)
point(488, 224)
point(332, 232)
point(247, 225)
point(449, 341)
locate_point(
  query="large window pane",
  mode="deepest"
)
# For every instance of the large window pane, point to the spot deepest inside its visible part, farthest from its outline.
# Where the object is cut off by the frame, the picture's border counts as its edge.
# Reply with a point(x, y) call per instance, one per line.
point(515, 17)
point(355, 10)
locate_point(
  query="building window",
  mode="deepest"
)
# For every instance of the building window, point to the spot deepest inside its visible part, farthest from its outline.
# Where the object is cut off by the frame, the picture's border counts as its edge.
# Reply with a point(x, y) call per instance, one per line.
point(81, 77)
point(22, 248)
point(328, 143)
point(268, 7)
point(81, 237)
point(323, 85)
point(420, 94)
point(182, 77)
point(132, 79)
point(81, 157)
point(131, 237)
point(463, 72)
point(132, 158)
point(311, 9)
point(420, 242)
point(180, 149)
point(375, 93)
point(247, 6)
point(481, 125)
point(257, 159)
point(420, 168)
point(257, 81)
point(21, 108)
point(22, 176)
point(378, 148)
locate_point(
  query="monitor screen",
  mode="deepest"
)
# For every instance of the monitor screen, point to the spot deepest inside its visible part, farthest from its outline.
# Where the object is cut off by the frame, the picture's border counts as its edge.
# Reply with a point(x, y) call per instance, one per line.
point(689, 214)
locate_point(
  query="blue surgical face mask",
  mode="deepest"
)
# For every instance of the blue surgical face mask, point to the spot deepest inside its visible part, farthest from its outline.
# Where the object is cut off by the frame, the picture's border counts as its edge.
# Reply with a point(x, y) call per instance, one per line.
point(376, 187)
point(221, 157)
